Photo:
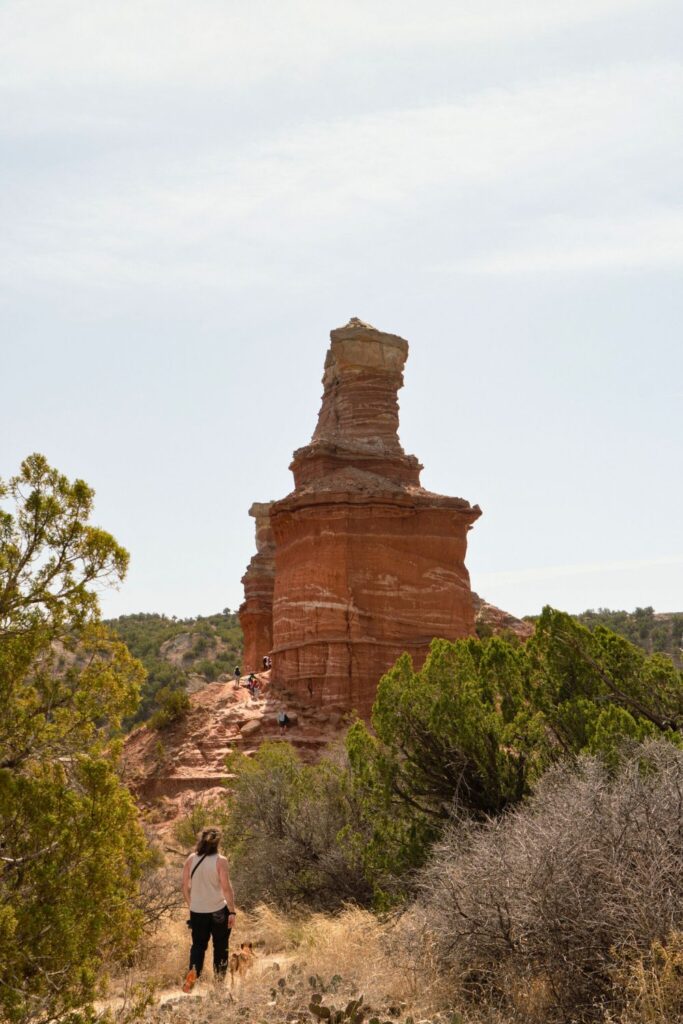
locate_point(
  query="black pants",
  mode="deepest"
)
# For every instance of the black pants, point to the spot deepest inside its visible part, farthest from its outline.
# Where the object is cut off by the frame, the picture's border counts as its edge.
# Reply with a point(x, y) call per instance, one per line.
point(210, 926)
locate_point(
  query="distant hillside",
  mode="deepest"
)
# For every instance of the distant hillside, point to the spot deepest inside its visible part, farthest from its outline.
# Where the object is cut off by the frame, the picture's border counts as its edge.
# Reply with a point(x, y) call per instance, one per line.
point(188, 653)
point(180, 653)
point(655, 632)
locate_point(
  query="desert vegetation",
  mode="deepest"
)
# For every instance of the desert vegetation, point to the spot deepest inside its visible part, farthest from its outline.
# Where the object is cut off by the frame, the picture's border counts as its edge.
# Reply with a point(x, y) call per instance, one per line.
point(172, 651)
point(72, 851)
point(565, 908)
point(502, 844)
point(556, 898)
point(653, 632)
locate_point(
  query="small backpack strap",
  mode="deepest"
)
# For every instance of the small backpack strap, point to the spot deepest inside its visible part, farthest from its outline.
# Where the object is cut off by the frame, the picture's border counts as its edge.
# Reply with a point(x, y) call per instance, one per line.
point(197, 865)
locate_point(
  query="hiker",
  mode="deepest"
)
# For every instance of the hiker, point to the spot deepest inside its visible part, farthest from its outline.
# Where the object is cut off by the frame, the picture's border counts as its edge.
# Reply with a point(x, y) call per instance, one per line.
point(208, 893)
point(238, 674)
point(265, 662)
point(251, 683)
point(282, 721)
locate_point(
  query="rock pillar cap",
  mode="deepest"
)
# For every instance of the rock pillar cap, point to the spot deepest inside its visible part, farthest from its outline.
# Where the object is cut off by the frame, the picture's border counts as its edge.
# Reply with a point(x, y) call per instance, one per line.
point(360, 345)
point(260, 508)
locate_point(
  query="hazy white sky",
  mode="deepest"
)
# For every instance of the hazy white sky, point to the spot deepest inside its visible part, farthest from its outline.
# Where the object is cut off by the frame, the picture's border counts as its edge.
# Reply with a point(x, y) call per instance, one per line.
point(193, 192)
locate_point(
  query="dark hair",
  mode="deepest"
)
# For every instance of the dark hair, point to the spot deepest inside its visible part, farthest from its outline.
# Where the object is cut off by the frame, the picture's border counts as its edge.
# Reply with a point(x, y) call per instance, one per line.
point(207, 841)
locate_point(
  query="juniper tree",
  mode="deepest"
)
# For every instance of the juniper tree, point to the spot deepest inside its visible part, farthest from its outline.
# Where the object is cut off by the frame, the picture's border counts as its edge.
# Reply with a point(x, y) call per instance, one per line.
point(473, 730)
point(71, 849)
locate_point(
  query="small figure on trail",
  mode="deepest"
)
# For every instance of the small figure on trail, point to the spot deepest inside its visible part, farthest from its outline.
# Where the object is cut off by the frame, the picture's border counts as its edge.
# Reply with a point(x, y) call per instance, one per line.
point(251, 683)
point(282, 721)
point(209, 895)
point(238, 674)
point(266, 659)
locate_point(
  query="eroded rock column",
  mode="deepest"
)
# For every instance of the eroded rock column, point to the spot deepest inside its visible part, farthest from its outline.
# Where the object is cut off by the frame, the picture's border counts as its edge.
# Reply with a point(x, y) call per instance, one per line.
point(368, 564)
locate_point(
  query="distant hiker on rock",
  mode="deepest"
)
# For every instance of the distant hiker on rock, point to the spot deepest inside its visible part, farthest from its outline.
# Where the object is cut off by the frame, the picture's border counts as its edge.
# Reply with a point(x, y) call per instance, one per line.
point(238, 674)
point(209, 895)
point(251, 683)
point(282, 721)
point(265, 662)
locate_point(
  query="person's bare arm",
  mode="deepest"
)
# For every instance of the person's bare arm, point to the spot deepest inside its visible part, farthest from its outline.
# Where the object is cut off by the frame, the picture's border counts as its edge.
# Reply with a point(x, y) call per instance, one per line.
point(187, 881)
point(226, 886)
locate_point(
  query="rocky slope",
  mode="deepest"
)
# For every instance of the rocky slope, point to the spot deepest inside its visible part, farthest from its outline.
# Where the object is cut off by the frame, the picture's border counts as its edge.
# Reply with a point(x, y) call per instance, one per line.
point(169, 770)
point(491, 620)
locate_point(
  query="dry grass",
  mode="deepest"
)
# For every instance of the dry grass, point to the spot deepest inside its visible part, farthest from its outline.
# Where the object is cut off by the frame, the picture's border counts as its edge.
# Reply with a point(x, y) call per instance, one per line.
point(354, 944)
point(392, 963)
point(342, 956)
point(653, 984)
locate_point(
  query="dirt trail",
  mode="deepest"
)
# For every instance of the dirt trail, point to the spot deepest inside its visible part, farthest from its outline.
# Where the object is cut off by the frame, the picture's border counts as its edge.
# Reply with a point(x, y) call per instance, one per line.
point(203, 989)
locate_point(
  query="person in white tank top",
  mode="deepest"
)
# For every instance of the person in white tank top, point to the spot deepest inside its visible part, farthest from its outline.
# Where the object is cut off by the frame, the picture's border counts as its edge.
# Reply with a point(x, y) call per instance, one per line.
point(209, 895)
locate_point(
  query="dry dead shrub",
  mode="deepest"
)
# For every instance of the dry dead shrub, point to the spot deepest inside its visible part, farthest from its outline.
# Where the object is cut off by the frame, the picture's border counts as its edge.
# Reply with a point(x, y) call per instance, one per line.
point(161, 959)
point(159, 895)
point(589, 870)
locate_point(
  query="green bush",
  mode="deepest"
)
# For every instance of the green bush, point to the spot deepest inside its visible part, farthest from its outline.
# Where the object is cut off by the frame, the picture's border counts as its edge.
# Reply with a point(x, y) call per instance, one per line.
point(654, 633)
point(202, 813)
point(73, 853)
point(172, 706)
point(476, 727)
point(209, 669)
point(291, 831)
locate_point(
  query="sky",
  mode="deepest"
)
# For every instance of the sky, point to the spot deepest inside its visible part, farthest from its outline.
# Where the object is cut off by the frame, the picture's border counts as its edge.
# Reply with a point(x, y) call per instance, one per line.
point(193, 193)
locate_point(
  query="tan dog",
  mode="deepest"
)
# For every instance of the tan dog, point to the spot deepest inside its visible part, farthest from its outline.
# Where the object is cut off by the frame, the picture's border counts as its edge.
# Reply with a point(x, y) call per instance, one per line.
point(242, 962)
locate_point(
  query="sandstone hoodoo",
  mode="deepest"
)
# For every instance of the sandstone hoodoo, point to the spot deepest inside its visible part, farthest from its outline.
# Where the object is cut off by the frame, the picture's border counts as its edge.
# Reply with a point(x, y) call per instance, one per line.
point(359, 563)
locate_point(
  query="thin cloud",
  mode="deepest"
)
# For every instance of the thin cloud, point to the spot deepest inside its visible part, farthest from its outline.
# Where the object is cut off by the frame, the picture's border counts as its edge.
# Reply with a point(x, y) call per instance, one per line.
point(564, 246)
point(168, 215)
point(213, 43)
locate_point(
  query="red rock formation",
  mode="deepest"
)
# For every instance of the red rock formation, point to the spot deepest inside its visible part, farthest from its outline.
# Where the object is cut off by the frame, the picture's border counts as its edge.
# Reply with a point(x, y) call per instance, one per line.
point(368, 564)
point(489, 619)
point(256, 613)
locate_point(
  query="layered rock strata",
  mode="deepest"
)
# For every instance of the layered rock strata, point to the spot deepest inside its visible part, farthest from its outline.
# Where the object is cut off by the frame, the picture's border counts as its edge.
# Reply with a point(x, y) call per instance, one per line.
point(368, 564)
point(256, 613)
